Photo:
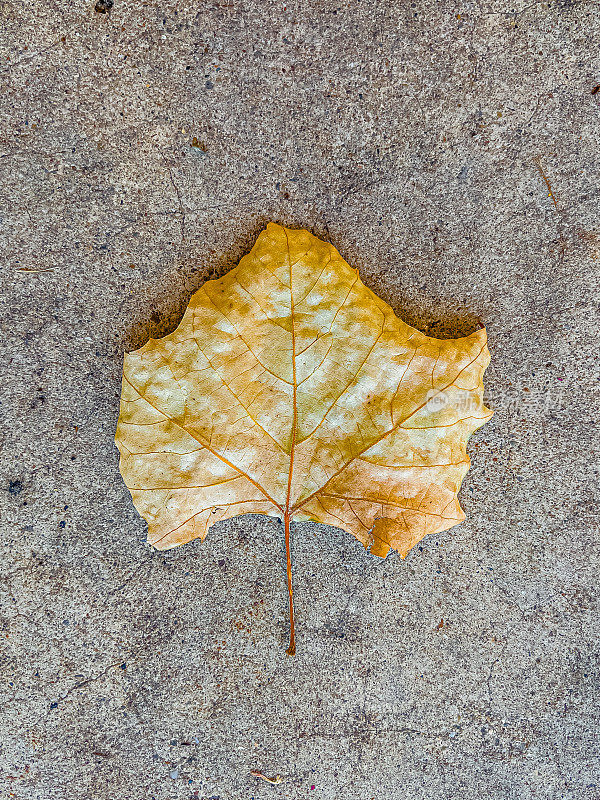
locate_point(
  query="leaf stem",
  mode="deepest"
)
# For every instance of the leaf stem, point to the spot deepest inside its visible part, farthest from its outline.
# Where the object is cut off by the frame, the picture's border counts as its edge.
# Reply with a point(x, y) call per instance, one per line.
point(291, 651)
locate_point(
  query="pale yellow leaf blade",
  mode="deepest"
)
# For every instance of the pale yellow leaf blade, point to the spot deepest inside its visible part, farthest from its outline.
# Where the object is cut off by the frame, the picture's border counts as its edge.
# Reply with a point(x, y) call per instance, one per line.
point(289, 388)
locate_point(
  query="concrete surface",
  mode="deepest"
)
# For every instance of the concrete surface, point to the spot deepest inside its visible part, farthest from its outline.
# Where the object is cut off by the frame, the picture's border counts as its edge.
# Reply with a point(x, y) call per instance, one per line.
point(141, 152)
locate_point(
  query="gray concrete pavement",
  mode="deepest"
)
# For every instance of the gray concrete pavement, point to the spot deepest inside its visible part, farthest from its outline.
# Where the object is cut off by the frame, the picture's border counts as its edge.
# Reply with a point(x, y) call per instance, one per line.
point(451, 153)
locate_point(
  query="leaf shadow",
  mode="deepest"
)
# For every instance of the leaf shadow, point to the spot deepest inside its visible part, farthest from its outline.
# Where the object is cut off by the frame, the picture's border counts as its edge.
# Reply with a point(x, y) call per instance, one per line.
point(438, 319)
point(160, 308)
point(423, 307)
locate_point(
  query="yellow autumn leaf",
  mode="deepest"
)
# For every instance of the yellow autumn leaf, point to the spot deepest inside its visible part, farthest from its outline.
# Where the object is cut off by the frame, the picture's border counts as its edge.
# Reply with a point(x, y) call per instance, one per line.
point(290, 389)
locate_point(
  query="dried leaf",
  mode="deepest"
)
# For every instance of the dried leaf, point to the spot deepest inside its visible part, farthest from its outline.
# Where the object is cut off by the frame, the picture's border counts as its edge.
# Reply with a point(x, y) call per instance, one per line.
point(290, 389)
point(258, 774)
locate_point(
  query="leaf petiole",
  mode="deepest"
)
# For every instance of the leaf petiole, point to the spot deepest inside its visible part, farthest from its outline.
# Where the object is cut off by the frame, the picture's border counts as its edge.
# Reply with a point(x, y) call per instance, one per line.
point(291, 651)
